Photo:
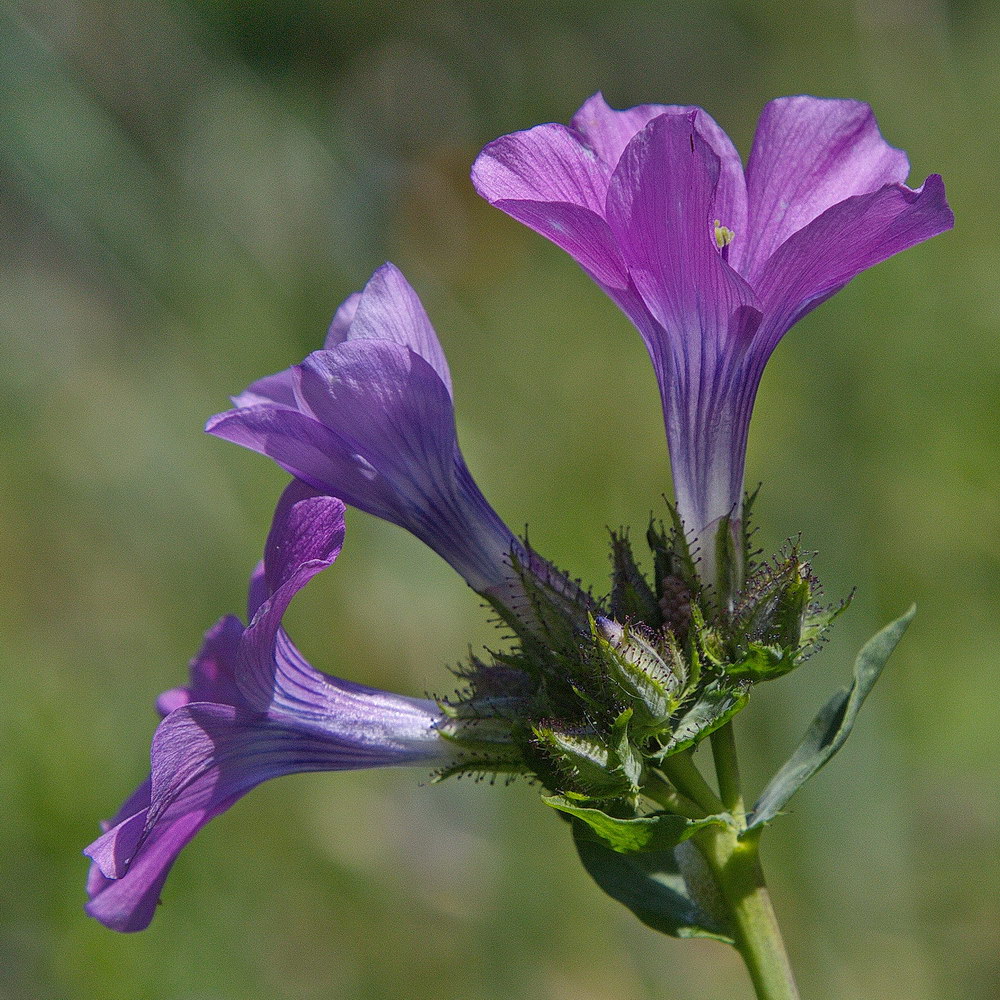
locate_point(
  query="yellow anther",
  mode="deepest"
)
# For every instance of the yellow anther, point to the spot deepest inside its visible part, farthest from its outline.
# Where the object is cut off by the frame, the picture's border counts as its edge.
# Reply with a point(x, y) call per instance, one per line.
point(723, 236)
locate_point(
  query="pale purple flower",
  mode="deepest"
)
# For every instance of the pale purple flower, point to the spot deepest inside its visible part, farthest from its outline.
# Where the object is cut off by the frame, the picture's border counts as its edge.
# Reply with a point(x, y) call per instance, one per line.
point(254, 709)
point(370, 419)
point(711, 262)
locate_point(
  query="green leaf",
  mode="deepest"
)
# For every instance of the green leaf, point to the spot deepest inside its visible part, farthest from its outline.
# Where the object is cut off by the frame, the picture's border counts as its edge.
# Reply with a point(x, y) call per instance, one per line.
point(649, 883)
point(832, 726)
point(660, 832)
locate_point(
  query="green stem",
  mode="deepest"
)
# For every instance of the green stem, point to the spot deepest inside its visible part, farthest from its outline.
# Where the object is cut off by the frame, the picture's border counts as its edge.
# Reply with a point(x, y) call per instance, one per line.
point(688, 780)
point(727, 771)
point(658, 791)
point(733, 855)
point(736, 866)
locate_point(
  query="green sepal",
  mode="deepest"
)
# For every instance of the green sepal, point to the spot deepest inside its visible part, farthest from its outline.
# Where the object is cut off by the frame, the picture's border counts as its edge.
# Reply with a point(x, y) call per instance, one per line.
point(817, 620)
point(588, 763)
point(671, 553)
point(729, 564)
point(646, 680)
point(649, 883)
point(832, 726)
point(629, 762)
point(763, 663)
point(747, 528)
point(715, 706)
point(480, 767)
point(632, 599)
point(538, 611)
point(658, 832)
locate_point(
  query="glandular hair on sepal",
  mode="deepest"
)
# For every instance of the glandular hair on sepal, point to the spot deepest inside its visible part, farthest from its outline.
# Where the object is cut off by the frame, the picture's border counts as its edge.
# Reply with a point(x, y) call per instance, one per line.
point(649, 683)
point(586, 761)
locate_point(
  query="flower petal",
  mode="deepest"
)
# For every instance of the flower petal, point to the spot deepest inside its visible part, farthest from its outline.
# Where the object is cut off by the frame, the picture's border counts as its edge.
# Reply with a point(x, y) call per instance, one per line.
point(340, 325)
point(846, 239)
point(810, 153)
point(211, 671)
point(393, 418)
point(207, 756)
point(306, 449)
point(549, 180)
point(306, 537)
point(389, 309)
point(608, 131)
point(660, 206)
point(277, 389)
point(547, 163)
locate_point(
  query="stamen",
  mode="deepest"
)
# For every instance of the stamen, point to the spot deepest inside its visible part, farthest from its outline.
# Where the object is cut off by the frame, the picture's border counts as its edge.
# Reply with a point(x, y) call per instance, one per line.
point(723, 235)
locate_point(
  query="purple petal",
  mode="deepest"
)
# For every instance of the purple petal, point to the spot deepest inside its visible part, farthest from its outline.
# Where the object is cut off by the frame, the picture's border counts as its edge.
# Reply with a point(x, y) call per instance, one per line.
point(342, 320)
point(660, 207)
point(211, 671)
point(277, 389)
point(306, 449)
point(207, 756)
point(387, 404)
point(129, 904)
point(547, 163)
point(394, 418)
point(548, 179)
point(306, 537)
point(389, 309)
point(608, 132)
point(846, 239)
point(810, 153)
point(582, 234)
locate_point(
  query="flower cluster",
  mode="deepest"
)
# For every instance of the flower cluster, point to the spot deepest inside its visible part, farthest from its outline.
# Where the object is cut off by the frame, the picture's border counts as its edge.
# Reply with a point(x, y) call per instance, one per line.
point(596, 696)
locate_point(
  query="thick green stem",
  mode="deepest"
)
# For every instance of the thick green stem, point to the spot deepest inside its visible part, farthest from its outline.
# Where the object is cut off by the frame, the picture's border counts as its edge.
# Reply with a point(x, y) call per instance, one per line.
point(688, 780)
point(733, 856)
point(736, 866)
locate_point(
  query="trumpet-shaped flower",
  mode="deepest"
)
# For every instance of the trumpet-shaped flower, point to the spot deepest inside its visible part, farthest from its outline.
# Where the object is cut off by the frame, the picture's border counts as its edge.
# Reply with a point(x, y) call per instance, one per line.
point(370, 419)
point(711, 262)
point(254, 709)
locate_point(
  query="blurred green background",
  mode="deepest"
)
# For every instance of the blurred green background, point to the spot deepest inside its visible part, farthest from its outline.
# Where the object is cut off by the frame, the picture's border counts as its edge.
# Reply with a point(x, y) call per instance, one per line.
point(188, 191)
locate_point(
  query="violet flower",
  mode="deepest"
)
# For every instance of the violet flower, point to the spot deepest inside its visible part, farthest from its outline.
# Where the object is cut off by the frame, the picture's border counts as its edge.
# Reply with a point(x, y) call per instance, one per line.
point(710, 262)
point(254, 709)
point(370, 419)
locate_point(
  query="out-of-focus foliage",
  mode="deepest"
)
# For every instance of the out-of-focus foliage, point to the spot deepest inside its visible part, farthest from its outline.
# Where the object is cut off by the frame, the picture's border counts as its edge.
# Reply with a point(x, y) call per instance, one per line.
point(188, 191)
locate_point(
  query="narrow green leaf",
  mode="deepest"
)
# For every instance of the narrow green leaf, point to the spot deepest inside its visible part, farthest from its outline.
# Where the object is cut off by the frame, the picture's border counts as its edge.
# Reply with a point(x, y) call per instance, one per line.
point(660, 832)
point(832, 726)
point(650, 884)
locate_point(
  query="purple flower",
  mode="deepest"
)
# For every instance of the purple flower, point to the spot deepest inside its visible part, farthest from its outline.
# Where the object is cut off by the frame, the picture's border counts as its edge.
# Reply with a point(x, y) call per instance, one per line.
point(710, 262)
point(254, 709)
point(370, 419)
